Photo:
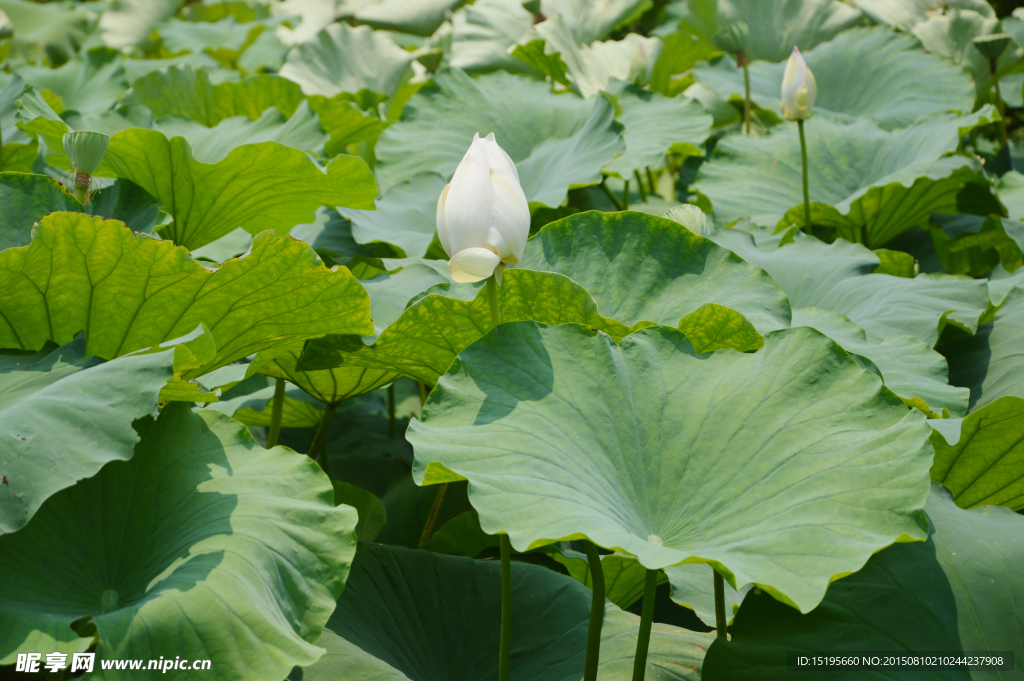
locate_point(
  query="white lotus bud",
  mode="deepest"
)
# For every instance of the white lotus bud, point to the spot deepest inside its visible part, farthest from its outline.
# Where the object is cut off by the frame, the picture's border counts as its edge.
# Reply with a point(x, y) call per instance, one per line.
point(798, 89)
point(483, 218)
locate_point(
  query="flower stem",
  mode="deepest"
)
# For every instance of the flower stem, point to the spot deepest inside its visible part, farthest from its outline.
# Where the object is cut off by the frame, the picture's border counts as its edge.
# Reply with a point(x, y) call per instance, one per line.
point(650, 178)
point(807, 194)
point(423, 390)
point(492, 300)
point(321, 432)
point(625, 196)
point(993, 64)
point(643, 639)
point(392, 422)
point(1, 150)
point(275, 414)
point(596, 613)
point(746, 100)
point(719, 604)
point(435, 508)
point(640, 185)
point(611, 195)
point(505, 649)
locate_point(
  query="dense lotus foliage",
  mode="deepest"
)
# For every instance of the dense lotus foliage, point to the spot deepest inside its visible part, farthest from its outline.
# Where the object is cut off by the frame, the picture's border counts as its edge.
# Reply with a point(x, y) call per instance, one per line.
point(549, 340)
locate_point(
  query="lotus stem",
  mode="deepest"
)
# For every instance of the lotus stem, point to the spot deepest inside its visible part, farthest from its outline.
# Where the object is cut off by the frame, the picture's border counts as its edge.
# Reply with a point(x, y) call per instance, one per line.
point(999, 103)
point(650, 179)
point(625, 196)
point(746, 99)
point(492, 300)
point(422, 388)
point(392, 422)
point(596, 613)
point(643, 639)
point(719, 604)
point(82, 188)
point(807, 193)
point(611, 195)
point(1, 149)
point(275, 413)
point(640, 186)
point(435, 508)
point(505, 649)
point(321, 432)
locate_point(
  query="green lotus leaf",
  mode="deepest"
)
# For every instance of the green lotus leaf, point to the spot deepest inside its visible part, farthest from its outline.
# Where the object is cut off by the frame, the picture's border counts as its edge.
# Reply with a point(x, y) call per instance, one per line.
point(343, 121)
point(129, 291)
point(623, 576)
point(482, 34)
point(65, 416)
point(984, 466)
point(345, 59)
point(556, 141)
point(129, 23)
point(418, 17)
point(24, 199)
point(186, 91)
point(655, 126)
point(909, 367)
point(907, 14)
point(89, 83)
point(372, 514)
point(45, 33)
point(692, 586)
point(462, 536)
point(256, 186)
point(990, 362)
point(249, 401)
point(590, 20)
point(206, 533)
point(839, 278)
point(954, 593)
point(405, 215)
point(563, 435)
point(226, 39)
point(868, 184)
point(776, 26)
point(863, 73)
point(420, 640)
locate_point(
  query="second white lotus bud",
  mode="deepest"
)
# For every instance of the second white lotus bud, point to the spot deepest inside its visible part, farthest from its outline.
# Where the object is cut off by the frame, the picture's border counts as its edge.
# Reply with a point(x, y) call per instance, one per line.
point(483, 218)
point(798, 89)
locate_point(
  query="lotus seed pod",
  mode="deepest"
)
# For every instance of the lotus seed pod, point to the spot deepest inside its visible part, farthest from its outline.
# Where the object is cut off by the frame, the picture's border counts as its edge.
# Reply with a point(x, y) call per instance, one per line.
point(992, 46)
point(691, 217)
point(733, 38)
point(85, 150)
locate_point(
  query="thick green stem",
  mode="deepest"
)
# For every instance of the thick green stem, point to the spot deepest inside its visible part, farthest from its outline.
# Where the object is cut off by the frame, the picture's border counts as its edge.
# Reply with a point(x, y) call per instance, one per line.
point(643, 639)
point(807, 193)
point(275, 414)
point(611, 195)
point(321, 432)
point(596, 613)
point(999, 104)
point(625, 196)
point(423, 390)
point(719, 604)
point(640, 186)
point(435, 508)
point(392, 422)
point(1, 150)
point(505, 650)
point(650, 179)
point(492, 299)
point(746, 100)
point(81, 193)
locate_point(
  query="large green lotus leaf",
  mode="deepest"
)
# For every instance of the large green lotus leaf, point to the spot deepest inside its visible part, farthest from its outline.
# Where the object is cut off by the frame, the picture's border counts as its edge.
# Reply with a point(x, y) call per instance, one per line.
point(990, 362)
point(868, 184)
point(301, 131)
point(910, 367)
point(418, 17)
point(225, 39)
point(482, 34)
point(185, 91)
point(692, 586)
point(346, 124)
point(256, 186)
point(555, 140)
point(89, 83)
point(65, 416)
point(405, 216)
point(590, 20)
point(645, 268)
point(24, 199)
point(958, 592)
point(984, 466)
point(863, 73)
point(839, 277)
point(907, 14)
point(656, 125)
point(776, 26)
point(53, 32)
point(249, 401)
point(651, 449)
point(129, 291)
point(130, 23)
point(11, 87)
point(346, 59)
point(389, 294)
point(410, 615)
point(951, 35)
point(201, 540)
point(623, 576)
